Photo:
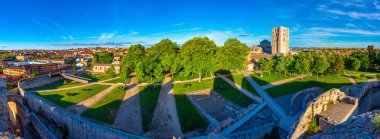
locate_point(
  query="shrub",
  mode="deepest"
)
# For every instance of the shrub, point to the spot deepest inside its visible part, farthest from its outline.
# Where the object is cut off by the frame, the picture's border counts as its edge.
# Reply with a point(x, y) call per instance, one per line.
point(377, 121)
point(362, 76)
point(186, 85)
point(314, 128)
point(65, 82)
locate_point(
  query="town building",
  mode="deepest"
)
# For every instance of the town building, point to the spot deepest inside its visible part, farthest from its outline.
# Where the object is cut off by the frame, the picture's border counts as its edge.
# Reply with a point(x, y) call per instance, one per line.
point(280, 40)
point(256, 50)
point(266, 46)
point(21, 58)
point(102, 68)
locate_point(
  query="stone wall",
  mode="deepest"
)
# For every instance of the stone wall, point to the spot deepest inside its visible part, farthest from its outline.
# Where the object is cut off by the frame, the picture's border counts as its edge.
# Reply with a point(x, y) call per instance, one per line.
point(38, 81)
point(41, 128)
point(3, 106)
point(74, 126)
point(315, 107)
point(370, 101)
point(360, 126)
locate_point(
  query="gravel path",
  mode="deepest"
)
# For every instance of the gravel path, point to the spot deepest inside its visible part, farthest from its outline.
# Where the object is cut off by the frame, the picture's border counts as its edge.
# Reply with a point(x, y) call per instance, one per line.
point(85, 104)
point(128, 117)
point(352, 80)
point(280, 82)
point(165, 122)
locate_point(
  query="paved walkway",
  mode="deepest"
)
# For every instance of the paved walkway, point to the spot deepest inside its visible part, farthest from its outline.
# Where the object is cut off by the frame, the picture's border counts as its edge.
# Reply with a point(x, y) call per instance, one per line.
point(85, 104)
point(244, 91)
point(352, 80)
point(277, 109)
point(128, 117)
point(165, 122)
point(280, 82)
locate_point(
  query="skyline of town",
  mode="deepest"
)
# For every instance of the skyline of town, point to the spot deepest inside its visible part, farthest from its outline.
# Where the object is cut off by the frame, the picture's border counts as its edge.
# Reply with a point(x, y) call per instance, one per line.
point(115, 23)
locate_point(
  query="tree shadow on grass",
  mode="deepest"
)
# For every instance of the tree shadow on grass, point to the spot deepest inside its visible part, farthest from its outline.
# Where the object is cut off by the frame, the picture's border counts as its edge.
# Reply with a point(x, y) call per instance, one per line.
point(56, 99)
point(148, 100)
point(229, 92)
point(105, 113)
point(298, 85)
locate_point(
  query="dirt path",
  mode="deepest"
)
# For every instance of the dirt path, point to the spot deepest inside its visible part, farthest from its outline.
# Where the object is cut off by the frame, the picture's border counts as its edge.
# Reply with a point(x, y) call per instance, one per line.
point(85, 104)
point(352, 80)
point(165, 122)
point(128, 117)
point(280, 82)
point(244, 91)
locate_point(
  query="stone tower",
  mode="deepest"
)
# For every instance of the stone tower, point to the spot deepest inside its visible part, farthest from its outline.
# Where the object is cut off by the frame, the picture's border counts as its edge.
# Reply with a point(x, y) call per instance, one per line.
point(280, 40)
point(3, 106)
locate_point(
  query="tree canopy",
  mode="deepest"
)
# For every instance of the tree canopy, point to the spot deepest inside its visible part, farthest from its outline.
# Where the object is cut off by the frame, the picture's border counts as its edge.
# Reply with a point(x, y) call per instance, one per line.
point(103, 57)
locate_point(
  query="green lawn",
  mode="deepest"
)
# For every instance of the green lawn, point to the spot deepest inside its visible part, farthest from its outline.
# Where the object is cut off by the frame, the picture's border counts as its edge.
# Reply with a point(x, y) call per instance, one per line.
point(327, 82)
point(360, 79)
point(118, 80)
point(242, 81)
point(232, 94)
point(66, 98)
point(189, 117)
point(60, 84)
point(267, 79)
point(148, 101)
point(182, 88)
point(362, 72)
point(106, 109)
point(95, 76)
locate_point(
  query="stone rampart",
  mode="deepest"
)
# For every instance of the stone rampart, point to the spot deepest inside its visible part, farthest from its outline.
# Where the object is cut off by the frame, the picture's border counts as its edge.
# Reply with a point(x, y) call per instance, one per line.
point(3, 106)
point(318, 105)
point(41, 128)
point(38, 81)
point(74, 126)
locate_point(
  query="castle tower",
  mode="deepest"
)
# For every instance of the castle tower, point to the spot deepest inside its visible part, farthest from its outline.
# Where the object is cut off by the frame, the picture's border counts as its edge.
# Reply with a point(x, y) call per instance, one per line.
point(280, 40)
point(3, 106)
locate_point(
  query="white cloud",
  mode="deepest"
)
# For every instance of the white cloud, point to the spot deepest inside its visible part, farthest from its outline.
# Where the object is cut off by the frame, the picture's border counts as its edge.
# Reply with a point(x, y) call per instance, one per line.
point(376, 4)
point(348, 31)
point(178, 24)
point(352, 14)
point(350, 25)
point(106, 36)
point(133, 33)
point(350, 3)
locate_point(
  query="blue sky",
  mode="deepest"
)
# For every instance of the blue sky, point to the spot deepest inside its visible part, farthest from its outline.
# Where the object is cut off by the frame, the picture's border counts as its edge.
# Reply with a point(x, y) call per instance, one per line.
point(54, 24)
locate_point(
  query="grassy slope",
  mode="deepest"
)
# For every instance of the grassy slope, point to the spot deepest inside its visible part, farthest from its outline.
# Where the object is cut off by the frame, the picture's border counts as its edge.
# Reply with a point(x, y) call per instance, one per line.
point(59, 84)
point(63, 99)
point(267, 79)
point(106, 109)
point(189, 117)
point(232, 94)
point(326, 82)
point(242, 81)
point(118, 80)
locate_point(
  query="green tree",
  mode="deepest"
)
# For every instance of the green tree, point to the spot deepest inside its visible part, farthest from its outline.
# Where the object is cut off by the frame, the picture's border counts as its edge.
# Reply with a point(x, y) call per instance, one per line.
point(354, 64)
point(320, 64)
point(134, 55)
point(289, 66)
point(103, 57)
point(165, 53)
point(196, 54)
point(280, 64)
point(34, 73)
point(74, 67)
point(140, 74)
point(111, 72)
point(232, 56)
point(266, 65)
point(302, 64)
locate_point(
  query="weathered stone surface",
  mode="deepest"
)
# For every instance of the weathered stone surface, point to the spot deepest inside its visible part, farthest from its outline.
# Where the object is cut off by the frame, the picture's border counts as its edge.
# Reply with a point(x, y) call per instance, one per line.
point(361, 126)
point(3, 106)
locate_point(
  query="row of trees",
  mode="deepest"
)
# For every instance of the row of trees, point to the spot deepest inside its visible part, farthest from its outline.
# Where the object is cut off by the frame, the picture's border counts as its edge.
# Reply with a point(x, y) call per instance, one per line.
point(199, 56)
point(103, 57)
point(315, 63)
